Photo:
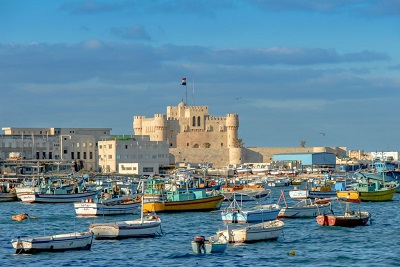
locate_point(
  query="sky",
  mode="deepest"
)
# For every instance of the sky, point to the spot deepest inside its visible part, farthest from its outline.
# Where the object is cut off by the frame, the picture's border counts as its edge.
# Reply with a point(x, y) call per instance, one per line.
point(325, 72)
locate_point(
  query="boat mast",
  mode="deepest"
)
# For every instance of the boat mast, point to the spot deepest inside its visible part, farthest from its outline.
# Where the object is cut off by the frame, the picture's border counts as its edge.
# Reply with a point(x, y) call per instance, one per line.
point(141, 213)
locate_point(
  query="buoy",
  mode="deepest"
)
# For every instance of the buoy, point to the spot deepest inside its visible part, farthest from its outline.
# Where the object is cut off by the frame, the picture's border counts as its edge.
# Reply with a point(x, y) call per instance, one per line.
point(292, 253)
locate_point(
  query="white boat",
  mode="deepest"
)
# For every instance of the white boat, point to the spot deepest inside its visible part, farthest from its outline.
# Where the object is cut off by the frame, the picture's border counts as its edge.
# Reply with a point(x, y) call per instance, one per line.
point(114, 206)
point(270, 230)
point(246, 194)
point(53, 243)
point(212, 244)
point(235, 213)
point(142, 227)
point(277, 182)
point(58, 196)
point(305, 208)
point(299, 194)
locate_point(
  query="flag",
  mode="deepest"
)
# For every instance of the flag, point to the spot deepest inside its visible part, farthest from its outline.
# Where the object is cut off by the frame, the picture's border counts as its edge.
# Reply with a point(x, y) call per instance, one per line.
point(183, 81)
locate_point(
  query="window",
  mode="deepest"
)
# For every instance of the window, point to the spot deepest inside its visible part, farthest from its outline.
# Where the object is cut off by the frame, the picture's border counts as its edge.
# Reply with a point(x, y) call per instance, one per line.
point(110, 146)
point(109, 156)
point(148, 169)
point(84, 155)
point(78, 155)
point(77, 144)
point(65, 151)
point(194, 121)
point(72, 155)
point(198, 121)
point(90, 155)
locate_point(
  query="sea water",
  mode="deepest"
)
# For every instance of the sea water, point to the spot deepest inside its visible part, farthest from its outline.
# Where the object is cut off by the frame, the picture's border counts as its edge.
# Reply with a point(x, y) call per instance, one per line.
point(377, 244)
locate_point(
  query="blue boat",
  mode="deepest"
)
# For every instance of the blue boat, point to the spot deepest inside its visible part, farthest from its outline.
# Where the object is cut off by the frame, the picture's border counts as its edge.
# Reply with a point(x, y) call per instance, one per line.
point(235, 213)
point(213, 244)
point(381, 171)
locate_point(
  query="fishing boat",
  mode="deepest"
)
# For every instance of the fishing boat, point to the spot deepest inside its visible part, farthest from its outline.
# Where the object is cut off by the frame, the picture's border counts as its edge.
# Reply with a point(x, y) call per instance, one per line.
point(57, 196)
point(148, 226)
point(7, 194)
point(317, 191)
point(371, 190)
point(115, 206)
point(349, 218)
point(235, 213)
point(212, 244)
point(304, 208)
point(53, 243)
point(270, 230)
point(189, 200)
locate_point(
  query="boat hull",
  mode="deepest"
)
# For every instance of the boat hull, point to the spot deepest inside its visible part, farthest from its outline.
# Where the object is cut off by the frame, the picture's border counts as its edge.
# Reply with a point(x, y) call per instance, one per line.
point(55, 243)
point(126, 229)
point(7, 197)
point(374, 196)
point(97, 209)
point(209, 247)
point(303, 212)
point(202, 204)
point(348, 220)
point(303, 194)
point(246, 195)
point(251, 216)
point(56, 198)
point(253, 233)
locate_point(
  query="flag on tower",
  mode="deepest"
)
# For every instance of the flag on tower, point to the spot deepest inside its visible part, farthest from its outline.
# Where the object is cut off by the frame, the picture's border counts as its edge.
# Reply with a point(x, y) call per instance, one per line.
point(183, 81)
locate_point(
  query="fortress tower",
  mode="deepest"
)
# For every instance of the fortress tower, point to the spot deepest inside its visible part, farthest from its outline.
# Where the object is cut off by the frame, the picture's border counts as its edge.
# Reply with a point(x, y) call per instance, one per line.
point(192, 127)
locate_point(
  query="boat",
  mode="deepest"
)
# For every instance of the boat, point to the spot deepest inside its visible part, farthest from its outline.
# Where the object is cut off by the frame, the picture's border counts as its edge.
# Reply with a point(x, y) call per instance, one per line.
point(347, 219)
point(277, 181)
point(304, 208)
point(270, 230)
point(212, 244)
point(57, 196)
point(189, 200)
point(317, 191)
point(235, 213)
point(115, 206)
point(148, 226)
point(371, 190)
point(244, 192)
point(7, 192)
point(53, 243)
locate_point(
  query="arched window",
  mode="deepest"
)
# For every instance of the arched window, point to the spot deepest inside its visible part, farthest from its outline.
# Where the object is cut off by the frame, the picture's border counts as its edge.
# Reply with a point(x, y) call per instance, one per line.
point(198, 121)
point(194, 121)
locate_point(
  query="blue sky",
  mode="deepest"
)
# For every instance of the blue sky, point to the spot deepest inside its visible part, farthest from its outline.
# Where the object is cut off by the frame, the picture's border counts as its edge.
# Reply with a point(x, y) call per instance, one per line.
point(291, 69)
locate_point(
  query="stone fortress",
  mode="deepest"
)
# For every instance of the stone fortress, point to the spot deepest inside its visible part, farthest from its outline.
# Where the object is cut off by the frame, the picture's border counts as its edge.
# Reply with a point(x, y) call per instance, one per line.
point(194, 136)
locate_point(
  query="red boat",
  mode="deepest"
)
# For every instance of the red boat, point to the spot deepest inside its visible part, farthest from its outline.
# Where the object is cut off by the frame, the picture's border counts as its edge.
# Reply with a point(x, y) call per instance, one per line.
point(347, 219)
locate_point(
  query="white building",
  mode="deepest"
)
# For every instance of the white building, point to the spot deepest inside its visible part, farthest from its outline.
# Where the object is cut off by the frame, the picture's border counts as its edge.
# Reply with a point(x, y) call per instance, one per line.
point(385, 156)
point(54, 144)
point(133, 155)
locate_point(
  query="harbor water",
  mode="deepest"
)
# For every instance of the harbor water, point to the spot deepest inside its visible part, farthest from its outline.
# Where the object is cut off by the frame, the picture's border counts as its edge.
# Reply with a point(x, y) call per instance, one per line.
point(373, 245)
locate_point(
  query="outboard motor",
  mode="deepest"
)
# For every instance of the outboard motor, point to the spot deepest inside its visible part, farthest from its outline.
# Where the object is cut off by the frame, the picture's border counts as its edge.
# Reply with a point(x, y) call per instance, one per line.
point(200, 243)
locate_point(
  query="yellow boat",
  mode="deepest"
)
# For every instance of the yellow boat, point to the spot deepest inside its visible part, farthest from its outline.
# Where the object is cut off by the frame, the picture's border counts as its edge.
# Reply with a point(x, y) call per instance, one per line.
point(372, 191)
point(194, 200)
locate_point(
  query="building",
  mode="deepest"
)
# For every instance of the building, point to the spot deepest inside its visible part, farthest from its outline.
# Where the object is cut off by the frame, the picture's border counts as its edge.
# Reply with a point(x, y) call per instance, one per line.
point(193, 135)
point(52, 145)
point(306, 162)
point(132, 155)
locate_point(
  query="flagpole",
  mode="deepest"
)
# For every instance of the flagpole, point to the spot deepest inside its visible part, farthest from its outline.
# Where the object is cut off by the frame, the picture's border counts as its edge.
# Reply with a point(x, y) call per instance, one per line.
point(193, 92)
point(186, 94)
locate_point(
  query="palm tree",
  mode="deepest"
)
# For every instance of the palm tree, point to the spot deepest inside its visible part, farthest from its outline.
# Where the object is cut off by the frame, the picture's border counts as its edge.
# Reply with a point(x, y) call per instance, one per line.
point(302, 143)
